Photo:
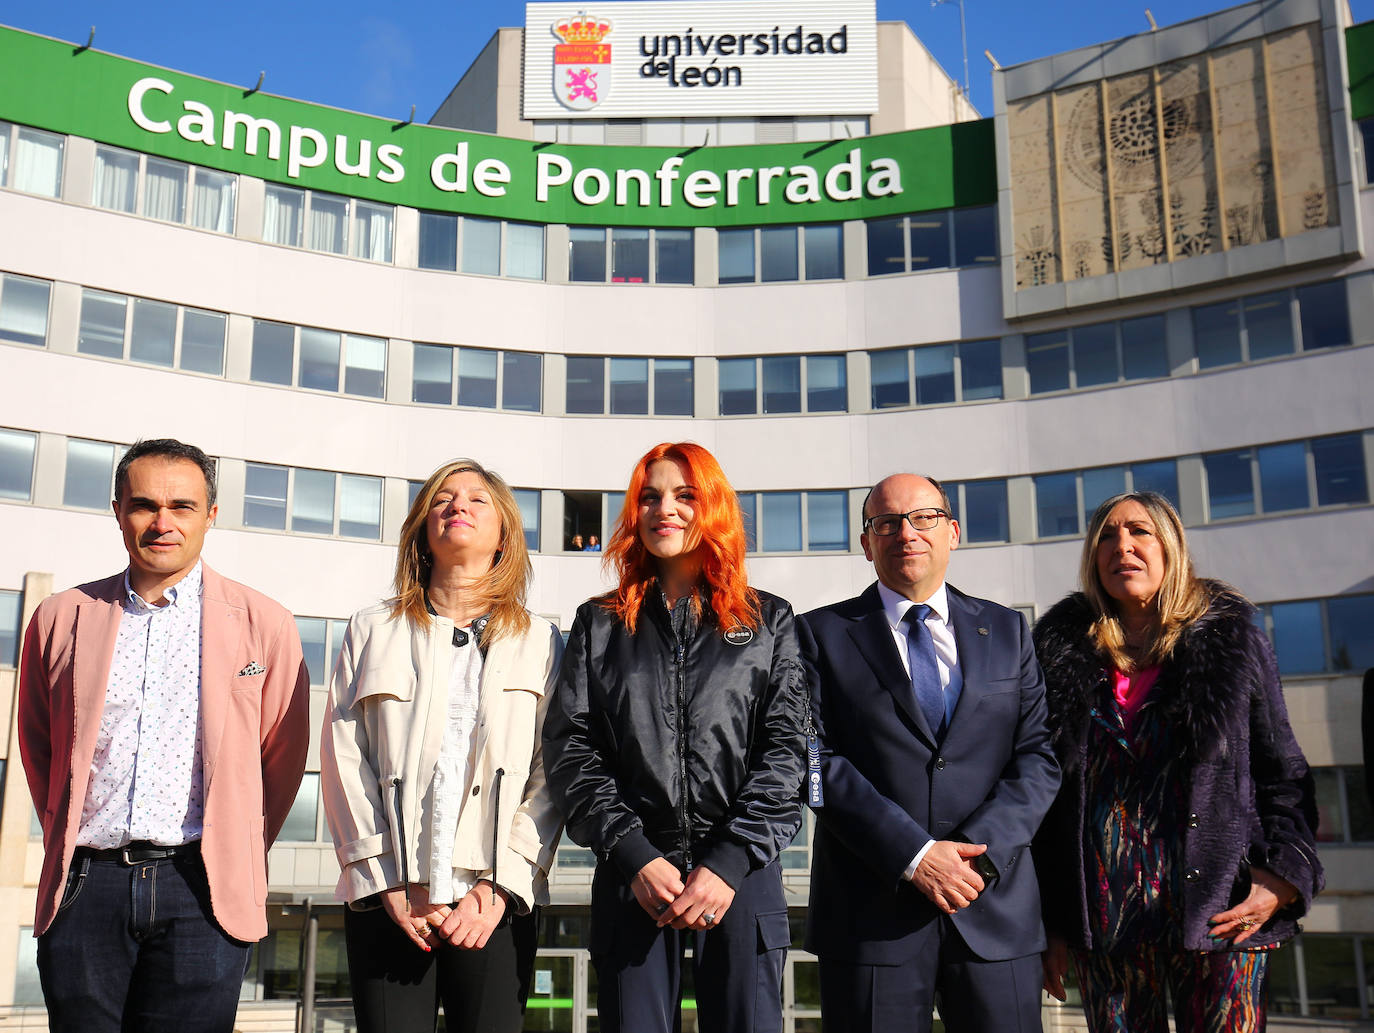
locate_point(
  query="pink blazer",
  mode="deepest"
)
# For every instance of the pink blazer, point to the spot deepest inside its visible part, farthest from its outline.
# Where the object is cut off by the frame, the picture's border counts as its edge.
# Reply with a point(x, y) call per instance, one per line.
point(255, 732)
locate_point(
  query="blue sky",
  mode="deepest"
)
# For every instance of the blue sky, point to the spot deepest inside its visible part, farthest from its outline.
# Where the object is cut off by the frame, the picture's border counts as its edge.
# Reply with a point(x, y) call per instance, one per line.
point(381, 59)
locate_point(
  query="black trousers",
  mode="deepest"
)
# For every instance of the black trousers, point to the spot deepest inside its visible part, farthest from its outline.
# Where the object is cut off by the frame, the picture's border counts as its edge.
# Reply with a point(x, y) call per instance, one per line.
point(397, 987)
point(974, 996)
point(737, 965)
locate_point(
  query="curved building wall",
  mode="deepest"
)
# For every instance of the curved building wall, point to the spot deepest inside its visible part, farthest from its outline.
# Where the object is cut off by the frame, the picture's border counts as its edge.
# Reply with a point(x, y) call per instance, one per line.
point(1025, 456)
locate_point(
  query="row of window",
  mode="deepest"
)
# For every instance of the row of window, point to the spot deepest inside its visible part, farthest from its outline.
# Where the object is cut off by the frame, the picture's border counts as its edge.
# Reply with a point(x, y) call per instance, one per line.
point(172, 336)
point(162, 189)
point(174, 191)
point(1292, 475)
point(1312, 636)
point(1285, 477)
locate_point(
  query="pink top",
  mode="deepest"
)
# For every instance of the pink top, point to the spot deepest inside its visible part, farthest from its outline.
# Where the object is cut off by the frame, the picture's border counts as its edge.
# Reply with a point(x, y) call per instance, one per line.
point(1130, 691)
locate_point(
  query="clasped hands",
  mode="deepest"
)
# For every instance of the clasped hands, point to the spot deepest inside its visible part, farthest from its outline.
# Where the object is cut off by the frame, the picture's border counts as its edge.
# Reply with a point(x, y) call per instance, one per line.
point(946, 874)
point(467, 924)
point(669, 901)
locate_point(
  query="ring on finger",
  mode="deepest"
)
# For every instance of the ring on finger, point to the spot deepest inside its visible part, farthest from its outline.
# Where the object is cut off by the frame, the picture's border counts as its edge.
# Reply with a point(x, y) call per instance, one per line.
point(1247, 923)
point(709, 918)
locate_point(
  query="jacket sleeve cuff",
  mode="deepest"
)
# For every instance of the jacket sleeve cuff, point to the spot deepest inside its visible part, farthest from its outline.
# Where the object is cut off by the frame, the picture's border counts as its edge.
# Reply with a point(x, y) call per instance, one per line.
point(633, 852)
point(369, 875)
point(728, 860)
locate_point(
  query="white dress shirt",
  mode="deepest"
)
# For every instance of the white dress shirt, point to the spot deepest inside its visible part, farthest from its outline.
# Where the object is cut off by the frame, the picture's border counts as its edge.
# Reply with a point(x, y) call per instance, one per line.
point(453, 774)
point(146, 781)
point(946, 656)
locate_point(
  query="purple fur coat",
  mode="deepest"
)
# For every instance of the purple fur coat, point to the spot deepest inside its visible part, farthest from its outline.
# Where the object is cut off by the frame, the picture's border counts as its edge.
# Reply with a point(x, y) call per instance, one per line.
point(1250, 795)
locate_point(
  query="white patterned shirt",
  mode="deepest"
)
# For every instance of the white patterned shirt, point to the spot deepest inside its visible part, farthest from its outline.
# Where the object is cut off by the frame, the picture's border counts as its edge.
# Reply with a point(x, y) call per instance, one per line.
point(146, 781)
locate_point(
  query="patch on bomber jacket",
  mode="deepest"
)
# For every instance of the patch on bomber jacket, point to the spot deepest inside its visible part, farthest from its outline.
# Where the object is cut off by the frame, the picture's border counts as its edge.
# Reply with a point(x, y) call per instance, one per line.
point(739, 636)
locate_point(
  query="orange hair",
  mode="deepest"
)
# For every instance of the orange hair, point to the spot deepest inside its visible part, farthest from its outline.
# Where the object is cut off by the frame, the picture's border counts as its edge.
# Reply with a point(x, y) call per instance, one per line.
point(716, 536)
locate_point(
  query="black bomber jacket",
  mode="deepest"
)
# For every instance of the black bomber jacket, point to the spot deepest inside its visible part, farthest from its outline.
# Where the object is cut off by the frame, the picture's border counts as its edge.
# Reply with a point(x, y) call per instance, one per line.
point(687, 743)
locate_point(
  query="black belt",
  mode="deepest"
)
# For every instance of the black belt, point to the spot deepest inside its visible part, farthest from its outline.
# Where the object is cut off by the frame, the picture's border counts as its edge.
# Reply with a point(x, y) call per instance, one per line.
point(139, 852)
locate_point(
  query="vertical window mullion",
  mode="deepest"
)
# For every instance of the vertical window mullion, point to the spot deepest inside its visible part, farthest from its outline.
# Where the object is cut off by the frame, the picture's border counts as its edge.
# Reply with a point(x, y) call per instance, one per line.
point(1244, 331)
point(1300, 966)
point(1310, 461)
point(290, 501)
point(758, 362)
point(651, 398)
point(1329, 660)
point(338, 502)
point(1361, 977)
point(906, 261)
point(500, 271)
point(296, 351)
point(128, 328)
point(1071, 340)
point(1078, 488)
point(1120, 352)
point(1256, 485)
point(911, 365)
point(501, 355)
point(805, 516)
point(1343, 801)
point(177, 330)
point(958, 370)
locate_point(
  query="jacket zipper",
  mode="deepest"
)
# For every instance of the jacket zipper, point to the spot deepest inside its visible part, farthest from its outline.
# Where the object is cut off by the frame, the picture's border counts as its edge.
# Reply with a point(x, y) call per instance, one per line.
point(495, 825)
point(679, 663)
point(401, 832)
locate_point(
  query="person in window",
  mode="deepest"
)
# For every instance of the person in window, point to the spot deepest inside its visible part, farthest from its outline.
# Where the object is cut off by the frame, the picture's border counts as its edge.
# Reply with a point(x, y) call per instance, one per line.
point(432, 768)
point(576, 544)
point(1180, 850)
point(593, 544)
point(674, 747)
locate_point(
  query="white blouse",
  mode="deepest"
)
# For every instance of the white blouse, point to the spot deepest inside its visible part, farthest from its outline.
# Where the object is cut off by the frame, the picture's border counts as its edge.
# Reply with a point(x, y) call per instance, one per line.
point(453, 774)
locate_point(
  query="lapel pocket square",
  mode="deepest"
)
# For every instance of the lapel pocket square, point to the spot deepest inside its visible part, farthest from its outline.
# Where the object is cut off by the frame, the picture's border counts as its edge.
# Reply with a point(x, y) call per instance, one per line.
point(252, 669)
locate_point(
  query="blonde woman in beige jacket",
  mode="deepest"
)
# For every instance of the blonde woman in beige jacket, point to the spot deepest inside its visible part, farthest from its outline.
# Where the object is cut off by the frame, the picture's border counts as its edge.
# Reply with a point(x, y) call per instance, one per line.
point(432, 769)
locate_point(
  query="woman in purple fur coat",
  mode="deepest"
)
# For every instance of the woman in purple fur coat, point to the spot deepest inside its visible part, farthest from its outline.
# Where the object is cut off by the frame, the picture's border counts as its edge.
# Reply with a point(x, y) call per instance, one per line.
point(1181, 849)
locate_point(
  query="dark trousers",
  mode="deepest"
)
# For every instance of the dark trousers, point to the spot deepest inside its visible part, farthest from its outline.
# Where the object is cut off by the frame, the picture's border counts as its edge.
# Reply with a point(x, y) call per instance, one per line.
point(136, 948)
point(974, 996)
point(397, 987)
point(736, 966)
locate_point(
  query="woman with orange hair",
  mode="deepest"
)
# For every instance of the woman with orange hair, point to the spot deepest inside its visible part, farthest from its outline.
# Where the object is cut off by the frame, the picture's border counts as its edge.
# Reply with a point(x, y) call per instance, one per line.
point(674, 747)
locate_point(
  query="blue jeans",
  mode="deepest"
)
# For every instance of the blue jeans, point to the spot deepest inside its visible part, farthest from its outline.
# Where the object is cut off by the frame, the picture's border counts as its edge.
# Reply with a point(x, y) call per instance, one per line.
point(135, 948)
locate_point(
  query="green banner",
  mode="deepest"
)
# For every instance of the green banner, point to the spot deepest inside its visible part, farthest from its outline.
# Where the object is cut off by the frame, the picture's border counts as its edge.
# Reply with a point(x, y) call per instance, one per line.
point(1359, 59)
point(56, 86)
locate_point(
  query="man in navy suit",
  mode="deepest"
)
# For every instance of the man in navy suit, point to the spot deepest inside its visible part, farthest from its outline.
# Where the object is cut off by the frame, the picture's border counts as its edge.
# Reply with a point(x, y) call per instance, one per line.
point(935, 769)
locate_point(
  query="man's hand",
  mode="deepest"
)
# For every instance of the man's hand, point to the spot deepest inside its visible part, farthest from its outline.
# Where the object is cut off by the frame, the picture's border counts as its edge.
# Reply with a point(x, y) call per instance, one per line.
point(417, 919)
point(656, 886)
point(706, 893)
point(946, 876)
point(473, 919)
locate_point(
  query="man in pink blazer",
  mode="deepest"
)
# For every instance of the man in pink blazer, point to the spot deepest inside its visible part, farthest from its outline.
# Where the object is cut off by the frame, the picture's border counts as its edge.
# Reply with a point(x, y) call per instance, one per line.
point(163, 724)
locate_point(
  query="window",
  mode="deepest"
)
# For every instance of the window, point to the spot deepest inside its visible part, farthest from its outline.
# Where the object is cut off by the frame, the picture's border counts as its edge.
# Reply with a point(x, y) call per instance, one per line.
point(786, 380)
point(482, 246)
point(321, 640)
point(319, 501)
point(633, 256)
point(303, 817)
point(264, 496)
point(1103, 353)
point(781, 521)
point(16, 464)
point(1344, 814)
point(328, 222)
point(159, 188)
point(932, 240)
point(1366, 127)
point(89, 478)
point(1326, 975)
point(151, 332)
point(1286, 476)
point(483, 376)
point(326, 359)
point(1065, 502)
point(936, 374)
point(528, 500)
point(1323, 315)
point(11, 634)
point(24, 310)
point(981, 509)
point(784, 254)
point(34, 160)
point(1315, 636)
point(629, 386)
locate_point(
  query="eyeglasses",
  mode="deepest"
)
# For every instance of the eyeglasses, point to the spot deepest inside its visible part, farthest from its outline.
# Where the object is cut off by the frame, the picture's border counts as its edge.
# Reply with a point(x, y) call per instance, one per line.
point(886, 524)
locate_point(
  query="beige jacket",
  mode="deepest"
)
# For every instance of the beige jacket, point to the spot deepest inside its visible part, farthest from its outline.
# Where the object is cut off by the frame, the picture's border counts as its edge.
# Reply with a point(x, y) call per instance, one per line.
point(384, 725)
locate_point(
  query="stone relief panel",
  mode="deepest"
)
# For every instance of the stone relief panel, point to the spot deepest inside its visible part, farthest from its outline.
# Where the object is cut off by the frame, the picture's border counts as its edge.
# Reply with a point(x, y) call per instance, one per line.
point(1220, 150)
point(1030, 126)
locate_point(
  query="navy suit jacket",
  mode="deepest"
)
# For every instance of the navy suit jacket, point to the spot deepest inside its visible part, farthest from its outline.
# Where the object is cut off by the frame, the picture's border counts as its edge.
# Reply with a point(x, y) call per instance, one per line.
point(890, 788)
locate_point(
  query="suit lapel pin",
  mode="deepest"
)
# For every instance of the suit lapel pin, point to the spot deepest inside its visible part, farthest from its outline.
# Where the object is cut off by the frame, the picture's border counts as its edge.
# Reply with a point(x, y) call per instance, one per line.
point(982, 631)
point(252, 669)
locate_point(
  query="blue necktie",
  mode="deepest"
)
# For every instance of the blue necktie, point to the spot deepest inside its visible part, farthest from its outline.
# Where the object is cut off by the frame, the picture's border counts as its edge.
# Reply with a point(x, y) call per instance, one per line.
point(925, 673)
